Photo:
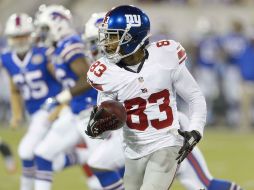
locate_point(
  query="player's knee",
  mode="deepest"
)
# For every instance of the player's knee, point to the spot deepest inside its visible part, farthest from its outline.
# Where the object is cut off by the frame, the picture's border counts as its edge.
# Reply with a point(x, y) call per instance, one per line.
point(25, 153)
point(92, 162)
point(131, 182)
point(43, 151)
point(101, 163)
point(96, 165)
point(58, 163)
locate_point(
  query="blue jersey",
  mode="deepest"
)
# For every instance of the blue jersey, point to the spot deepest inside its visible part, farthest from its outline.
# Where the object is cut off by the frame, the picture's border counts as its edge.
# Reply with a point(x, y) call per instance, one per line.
point(68, 50)
point(31, 77)
point(208, 52)
point(234, 45)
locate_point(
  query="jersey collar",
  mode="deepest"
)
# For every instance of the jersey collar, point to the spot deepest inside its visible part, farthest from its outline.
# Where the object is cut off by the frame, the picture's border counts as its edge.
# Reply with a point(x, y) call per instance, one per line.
point(123, 65)
point(22, 63)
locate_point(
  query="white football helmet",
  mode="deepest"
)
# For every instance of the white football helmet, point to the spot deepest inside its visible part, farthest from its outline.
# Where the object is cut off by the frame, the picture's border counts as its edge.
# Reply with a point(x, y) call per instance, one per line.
point(57, 18)
point(18, 30)
point(90, 35)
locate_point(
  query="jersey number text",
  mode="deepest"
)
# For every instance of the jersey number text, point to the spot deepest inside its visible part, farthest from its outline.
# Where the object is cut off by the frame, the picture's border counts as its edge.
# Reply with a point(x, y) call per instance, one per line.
point(98, 68)
point(136, 108)
point(31, 85)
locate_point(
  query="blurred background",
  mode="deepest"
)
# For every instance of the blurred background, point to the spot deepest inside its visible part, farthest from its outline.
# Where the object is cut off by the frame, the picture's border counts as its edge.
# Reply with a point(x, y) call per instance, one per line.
point(218, 36)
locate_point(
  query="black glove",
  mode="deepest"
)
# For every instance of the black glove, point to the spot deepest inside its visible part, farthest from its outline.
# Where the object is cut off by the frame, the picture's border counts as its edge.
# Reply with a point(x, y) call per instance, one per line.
point(191, 138)
point(98, 125)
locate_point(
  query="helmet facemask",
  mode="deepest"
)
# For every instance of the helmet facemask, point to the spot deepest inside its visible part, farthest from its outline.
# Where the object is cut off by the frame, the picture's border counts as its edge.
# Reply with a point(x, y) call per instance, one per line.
point(42, 34)
point(20, 44)
point(90, 36)
point(91, 48)
point(123, 39)
point(58, 19)
point(115, 38)
point(125, 29)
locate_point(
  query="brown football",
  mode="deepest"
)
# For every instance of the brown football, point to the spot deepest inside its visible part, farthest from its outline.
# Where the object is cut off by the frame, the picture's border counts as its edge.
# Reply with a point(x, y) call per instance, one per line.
point(113, 107)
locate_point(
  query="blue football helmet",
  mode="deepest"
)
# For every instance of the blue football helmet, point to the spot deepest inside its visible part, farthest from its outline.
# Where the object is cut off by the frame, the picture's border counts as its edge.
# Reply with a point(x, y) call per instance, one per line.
point(126, 25)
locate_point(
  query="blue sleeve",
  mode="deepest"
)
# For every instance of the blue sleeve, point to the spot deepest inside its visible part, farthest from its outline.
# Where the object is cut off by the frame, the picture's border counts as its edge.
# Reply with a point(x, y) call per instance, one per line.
point(72, 51)
point(74, 57)
point(2, 61)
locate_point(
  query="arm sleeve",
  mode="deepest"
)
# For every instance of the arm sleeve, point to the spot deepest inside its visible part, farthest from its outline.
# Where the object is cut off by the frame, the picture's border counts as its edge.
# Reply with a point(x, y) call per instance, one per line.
point(188, 89)
point(73, 51)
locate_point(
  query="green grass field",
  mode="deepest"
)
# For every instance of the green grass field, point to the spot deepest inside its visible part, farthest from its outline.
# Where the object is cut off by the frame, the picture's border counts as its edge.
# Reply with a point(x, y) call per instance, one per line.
point(230, 155)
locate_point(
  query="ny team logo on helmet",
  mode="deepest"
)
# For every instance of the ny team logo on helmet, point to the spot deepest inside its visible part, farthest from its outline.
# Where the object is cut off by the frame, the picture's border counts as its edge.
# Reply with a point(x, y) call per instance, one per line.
point(133, 20)
point(132, 28)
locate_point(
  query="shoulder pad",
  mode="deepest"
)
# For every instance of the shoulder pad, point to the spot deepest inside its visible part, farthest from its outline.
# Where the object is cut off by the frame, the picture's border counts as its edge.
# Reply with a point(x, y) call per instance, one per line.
point(168, 51)
point(71, 48)
point(39, 49)
point(100, 75)
point(5, 50)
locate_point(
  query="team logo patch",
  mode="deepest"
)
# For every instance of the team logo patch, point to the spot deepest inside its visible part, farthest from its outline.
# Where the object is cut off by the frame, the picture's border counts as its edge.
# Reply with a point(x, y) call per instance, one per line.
point(37, 59)
point(144, 90)
point(57, 15)
point(140, 79)
point(133, 20)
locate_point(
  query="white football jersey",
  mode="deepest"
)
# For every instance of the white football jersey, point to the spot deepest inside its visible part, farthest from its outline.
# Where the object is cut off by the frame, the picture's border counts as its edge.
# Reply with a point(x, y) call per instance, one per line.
point(148, 96)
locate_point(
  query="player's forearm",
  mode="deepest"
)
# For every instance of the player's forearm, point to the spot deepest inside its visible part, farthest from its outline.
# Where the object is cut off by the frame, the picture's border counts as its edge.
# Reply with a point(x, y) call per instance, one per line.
point(16, 105)
point(80, 87)
point(66, 95)
point(188, 89)
point(80, 68)
point(197, 106)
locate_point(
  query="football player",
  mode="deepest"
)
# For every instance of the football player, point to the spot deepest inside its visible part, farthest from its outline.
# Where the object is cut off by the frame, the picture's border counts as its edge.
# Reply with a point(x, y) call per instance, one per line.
point(247, 72)
point(193, 172)
point(31, 83)
point(208, 60)
point(110, 147)
point(145, 78)
point(234, 45)
point(34, 81)
point(69, 65)
point(90, 36)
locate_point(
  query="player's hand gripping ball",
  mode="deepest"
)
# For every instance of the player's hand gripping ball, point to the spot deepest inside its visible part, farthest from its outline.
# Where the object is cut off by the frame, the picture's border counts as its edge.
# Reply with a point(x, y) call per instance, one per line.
point(110, 115)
